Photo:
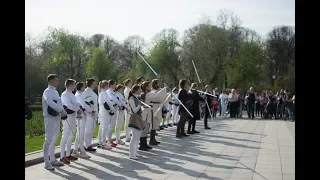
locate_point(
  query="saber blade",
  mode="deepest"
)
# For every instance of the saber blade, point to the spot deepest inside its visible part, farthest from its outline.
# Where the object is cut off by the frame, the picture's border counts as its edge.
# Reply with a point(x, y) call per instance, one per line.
point(194, 66)
point(147, 64)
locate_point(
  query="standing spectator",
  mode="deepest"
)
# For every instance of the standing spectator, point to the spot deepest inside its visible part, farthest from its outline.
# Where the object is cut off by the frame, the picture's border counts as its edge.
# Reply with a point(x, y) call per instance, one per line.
point(27, 112)
point(280, 104)
point(237, 103)
point(257, 104)
point(251, 101)
point(263, 102)
point(233, 103)
point(289, 108)
point(246, 101)
point(217, 93)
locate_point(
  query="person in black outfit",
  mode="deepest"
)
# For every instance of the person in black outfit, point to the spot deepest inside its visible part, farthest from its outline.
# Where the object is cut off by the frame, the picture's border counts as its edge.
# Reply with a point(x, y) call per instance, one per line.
point(207, 111)
point(28, 112)
point(195, 111)
point(184, 98)
point(251, 102)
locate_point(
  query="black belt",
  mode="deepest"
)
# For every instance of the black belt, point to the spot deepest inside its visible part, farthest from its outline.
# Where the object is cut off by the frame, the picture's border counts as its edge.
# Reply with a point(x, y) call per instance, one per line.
point(155, 102)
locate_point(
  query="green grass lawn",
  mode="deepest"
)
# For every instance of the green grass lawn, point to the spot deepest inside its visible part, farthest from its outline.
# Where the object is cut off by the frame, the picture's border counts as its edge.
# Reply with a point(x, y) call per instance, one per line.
point(35, 132)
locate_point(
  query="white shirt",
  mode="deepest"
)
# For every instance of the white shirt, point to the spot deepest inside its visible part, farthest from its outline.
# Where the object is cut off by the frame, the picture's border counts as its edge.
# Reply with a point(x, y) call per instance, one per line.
point(224, 99)
point(81, 101)
point(49, 96)
point(69, 99)
point(90, 95)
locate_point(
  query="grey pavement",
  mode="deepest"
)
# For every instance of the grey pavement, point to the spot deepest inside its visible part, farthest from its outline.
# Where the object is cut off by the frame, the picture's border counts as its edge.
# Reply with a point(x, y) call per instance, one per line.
point(234, 149)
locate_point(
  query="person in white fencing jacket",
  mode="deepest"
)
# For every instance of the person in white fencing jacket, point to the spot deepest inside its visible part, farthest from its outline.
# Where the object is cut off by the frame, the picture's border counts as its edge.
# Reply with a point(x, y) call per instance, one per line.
point(106, 111)
point(112, 95)
point(52, 112)
point(71, 106)
point(124, 106)
point(91, 98)
point(81, 121)
point(128, 84)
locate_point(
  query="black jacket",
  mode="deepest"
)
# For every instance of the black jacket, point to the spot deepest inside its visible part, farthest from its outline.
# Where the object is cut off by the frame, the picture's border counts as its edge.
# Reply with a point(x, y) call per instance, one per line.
point(195, 104)
point(185, 99)
point(251, 98)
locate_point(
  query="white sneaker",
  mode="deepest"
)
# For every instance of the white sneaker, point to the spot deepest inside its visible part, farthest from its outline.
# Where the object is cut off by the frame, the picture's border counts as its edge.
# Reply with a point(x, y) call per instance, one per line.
point(57, 163)
point(134, 158)
point(75, 154)
point(121, 142)
point(128, 139)
point(106, 147)
point(48, 166)
point(84, 155)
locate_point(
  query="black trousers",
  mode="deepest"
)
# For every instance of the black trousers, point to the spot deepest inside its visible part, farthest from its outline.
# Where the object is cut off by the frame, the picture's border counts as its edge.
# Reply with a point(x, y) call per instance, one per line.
point(206, 117)
point(181, 124)
point(192, 124)
point(233, 109)
point(257, 109)
point(251, 110)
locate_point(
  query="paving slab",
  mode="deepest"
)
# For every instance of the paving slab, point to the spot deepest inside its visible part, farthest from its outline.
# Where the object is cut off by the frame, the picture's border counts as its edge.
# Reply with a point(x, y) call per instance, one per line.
point(234, 149)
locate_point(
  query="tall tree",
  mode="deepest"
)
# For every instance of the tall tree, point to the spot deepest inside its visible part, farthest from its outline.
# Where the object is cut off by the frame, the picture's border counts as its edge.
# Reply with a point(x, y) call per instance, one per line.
point(99, 65)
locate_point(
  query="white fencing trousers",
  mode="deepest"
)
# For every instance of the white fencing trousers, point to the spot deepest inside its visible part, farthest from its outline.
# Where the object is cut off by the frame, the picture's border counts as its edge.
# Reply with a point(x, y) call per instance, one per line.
point(52, 129)
point(68, 131)
point(80, 133)
point(104, 124)
point(223, 110)
point(111, 125)
point(175, 113)
point(120, 120)
point(89, 128)
point(134, 142)
point(169, 113)
point(126, 128)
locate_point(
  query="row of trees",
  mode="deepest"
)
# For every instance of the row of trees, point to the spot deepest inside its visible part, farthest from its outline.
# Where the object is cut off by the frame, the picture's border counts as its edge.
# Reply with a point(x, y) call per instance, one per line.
point(225, 53)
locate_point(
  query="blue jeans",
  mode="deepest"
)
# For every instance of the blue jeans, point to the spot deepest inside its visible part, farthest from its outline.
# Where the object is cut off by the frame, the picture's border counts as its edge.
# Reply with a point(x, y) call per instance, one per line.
point(290, 112)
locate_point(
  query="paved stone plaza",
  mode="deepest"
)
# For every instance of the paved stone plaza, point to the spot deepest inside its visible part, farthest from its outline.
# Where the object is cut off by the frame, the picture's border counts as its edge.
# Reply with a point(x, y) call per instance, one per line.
point(234, 149)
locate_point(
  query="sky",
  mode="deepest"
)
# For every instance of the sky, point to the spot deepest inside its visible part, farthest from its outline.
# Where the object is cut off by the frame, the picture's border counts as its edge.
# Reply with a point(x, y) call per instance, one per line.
point(122, 18)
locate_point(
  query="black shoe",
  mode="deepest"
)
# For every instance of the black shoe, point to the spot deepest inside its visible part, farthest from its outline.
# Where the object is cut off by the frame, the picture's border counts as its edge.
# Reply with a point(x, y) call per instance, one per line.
point(143, 149)
point(153, 138)
point(179, 136)
point(90, 149)
point(174, 124)
point(194, 131)
point(170, 125)
point(161, 128)
point(185, 135)
point(189, 132)
point(207, 127)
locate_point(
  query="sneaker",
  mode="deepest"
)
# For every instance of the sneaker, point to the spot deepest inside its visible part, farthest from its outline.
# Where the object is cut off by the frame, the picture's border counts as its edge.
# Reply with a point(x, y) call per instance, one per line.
point(121, 142)
point(128, 139)
point(170, 125)
point(71, 158)
point(65, 160)
point(57, 163)
point(99, 145)
point(134, 158)
point(48, 166)
point(75, 154)
point(84, 155)
point(106, 147)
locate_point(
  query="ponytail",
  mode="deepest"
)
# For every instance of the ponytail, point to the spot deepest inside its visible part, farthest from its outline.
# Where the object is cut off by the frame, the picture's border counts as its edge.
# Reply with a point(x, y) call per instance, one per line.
point(102, 85)
point(99, 87)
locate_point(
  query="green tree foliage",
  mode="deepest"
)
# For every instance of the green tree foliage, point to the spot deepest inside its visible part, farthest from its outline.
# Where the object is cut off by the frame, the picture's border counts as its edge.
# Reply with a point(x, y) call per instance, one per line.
point(226, 55)
point(99, 66)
